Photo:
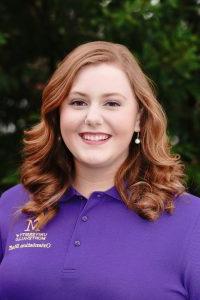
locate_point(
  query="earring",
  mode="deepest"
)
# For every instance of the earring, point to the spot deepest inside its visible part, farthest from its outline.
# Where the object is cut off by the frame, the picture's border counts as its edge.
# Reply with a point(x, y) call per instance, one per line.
point(137, 140)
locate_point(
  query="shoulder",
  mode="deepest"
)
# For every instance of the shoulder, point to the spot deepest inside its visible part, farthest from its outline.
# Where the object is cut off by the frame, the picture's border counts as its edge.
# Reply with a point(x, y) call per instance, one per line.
point(189, 209)
point(187, 203)
point(185, 215)
point(189, 198)
point(13, 197)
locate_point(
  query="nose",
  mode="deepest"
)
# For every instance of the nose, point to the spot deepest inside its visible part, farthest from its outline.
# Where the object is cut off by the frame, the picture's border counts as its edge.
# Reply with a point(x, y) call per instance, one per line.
point(93, 116)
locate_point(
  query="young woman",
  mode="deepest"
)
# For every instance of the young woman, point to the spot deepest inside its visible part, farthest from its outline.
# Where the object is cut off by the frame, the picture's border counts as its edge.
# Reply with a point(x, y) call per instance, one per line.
point(101, 211)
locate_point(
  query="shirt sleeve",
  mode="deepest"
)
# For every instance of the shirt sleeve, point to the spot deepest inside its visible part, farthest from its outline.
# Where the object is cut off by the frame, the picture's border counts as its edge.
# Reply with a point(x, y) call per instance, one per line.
point(1, 247)
point(192, 263)
point(3, 218)
point(10, 199)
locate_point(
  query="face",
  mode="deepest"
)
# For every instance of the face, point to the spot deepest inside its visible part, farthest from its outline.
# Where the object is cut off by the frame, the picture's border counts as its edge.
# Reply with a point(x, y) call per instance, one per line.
point(99, 116)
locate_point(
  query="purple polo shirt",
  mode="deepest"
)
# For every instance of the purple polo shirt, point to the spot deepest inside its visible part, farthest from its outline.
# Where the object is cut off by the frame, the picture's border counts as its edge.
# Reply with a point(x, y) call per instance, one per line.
point(98, 249)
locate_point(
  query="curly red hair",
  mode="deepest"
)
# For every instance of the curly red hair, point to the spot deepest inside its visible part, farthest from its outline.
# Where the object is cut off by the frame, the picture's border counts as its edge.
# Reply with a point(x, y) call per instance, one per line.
point(153, 175)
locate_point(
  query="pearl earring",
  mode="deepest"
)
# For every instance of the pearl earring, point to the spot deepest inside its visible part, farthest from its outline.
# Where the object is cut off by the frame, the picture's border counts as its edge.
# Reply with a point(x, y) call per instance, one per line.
point(137, 140)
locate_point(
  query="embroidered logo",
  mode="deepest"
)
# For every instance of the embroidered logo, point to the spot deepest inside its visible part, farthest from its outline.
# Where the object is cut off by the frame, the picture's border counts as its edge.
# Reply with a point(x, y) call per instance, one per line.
point(31, 225)
point(31, 234)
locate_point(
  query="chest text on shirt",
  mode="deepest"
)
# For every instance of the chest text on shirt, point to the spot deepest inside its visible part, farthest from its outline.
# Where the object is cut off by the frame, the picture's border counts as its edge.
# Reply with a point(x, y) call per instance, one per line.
point(30, 234)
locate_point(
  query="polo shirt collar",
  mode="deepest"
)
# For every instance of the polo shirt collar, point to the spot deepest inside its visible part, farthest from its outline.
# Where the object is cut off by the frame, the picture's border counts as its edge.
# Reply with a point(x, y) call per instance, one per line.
point(71, 192)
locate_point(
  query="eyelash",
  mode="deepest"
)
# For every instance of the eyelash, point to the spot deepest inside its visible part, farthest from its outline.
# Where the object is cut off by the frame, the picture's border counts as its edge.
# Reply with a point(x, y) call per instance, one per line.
point(75, 101)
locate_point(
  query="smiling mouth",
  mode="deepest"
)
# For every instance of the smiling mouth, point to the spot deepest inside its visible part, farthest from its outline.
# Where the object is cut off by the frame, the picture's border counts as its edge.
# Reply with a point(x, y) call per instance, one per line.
point(92, 140)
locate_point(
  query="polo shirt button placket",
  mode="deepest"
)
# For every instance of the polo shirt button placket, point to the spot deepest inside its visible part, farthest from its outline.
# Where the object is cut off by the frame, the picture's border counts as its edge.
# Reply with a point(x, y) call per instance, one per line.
point(77, 243)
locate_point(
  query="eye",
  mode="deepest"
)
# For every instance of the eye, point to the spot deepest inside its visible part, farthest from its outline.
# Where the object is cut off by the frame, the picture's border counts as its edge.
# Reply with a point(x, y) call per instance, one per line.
point(77, 103)
point(113, 103)
point(82, 103)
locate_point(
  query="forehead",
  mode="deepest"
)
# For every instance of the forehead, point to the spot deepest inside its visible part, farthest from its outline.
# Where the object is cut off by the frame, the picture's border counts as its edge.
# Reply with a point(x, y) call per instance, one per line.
point(110, 77)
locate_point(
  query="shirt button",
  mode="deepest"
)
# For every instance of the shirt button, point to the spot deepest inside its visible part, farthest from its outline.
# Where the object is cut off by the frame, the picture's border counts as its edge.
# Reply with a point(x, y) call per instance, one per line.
point(77, 243)
point(84, 218)
point(99, 195)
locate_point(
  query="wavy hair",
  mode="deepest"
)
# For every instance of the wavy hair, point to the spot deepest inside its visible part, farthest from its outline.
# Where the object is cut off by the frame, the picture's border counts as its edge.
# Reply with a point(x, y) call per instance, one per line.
point(154, 176)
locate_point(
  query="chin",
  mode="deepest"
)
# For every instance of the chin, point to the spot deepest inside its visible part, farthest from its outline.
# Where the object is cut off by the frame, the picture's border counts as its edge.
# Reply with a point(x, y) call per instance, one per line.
point(95, 163)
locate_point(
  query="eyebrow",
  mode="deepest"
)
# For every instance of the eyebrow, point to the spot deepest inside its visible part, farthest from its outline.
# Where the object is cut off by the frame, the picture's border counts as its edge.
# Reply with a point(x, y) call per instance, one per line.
point(104, 95)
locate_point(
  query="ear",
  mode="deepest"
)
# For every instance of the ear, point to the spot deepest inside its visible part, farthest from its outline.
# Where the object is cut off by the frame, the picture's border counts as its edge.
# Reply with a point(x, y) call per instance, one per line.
point(137, 122)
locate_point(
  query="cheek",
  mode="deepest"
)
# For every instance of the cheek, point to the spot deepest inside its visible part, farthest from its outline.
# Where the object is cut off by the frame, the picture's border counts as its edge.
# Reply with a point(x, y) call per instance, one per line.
point(124, 123)
point(68, 121)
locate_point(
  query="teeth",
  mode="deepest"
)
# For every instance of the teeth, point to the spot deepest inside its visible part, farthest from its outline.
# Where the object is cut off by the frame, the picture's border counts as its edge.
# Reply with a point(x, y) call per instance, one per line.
point(95, 137)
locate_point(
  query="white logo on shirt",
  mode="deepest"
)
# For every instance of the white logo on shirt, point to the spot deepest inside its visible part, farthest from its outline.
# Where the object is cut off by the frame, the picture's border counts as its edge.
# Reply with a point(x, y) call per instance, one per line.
point(30, 224)
point(30, 234)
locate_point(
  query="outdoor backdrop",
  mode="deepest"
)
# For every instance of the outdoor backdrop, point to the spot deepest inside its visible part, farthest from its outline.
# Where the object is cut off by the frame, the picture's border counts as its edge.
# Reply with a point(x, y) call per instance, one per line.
point(36, 35)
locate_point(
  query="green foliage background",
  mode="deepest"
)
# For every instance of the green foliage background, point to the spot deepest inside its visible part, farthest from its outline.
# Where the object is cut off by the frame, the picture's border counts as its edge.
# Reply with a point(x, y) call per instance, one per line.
point(36, 35)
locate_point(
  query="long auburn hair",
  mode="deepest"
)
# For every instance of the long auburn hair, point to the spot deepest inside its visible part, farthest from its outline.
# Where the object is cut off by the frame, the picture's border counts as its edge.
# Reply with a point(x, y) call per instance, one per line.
point(153, 175)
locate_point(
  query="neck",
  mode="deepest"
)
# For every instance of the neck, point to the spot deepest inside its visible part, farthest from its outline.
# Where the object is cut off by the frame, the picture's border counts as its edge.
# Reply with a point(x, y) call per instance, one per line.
point(88, 180)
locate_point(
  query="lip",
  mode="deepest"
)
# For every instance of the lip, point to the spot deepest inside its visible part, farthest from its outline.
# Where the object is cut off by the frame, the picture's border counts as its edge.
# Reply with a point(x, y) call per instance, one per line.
point(96, 133)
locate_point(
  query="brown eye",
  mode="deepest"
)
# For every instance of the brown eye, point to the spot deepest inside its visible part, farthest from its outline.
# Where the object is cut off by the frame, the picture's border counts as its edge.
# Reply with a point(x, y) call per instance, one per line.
point(113, 103)
point(77, 103)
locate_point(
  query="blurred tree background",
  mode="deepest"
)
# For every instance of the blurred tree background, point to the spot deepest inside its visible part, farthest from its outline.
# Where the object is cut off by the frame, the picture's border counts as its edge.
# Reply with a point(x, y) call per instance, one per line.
point(36, 35)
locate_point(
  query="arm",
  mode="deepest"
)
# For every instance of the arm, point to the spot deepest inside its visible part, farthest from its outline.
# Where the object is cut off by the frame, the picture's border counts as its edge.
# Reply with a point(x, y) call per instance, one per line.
point(1, 249)
point(10, 200)
point(191, 261)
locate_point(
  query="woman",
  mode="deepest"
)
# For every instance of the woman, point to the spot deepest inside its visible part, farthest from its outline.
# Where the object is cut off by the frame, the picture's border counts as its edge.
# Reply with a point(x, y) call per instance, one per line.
point(101, 211)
